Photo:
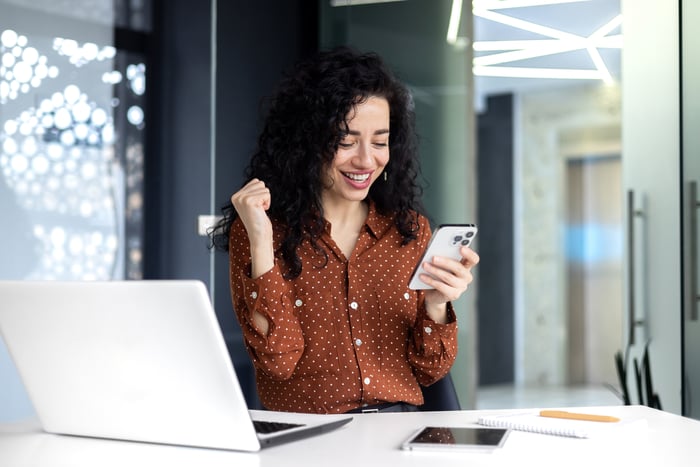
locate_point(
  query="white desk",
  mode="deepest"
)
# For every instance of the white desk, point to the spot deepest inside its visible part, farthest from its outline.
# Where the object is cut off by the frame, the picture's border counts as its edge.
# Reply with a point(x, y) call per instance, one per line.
point(373, 440)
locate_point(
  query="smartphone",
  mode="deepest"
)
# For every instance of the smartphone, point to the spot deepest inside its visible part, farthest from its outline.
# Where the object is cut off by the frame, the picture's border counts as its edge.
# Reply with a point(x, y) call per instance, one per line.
point(446, 241)
point(459, 438)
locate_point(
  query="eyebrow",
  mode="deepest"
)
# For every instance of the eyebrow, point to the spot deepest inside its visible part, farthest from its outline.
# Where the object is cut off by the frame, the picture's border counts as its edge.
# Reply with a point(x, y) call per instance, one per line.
point(378, 132)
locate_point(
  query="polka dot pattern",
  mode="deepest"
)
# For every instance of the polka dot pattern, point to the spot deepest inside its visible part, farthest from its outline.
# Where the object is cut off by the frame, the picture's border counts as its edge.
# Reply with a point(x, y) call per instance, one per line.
point(345, 335)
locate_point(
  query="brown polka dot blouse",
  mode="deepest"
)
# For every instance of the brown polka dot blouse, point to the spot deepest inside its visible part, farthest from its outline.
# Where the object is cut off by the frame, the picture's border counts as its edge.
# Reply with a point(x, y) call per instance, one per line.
point(346, 334)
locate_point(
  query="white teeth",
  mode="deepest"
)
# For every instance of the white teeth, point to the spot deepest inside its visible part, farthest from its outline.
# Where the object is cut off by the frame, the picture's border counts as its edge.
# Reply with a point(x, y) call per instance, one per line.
point(357, 177)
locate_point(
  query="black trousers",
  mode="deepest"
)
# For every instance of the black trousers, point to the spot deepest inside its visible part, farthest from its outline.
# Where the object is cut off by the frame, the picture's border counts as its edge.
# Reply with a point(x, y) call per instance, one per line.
point(385, 407)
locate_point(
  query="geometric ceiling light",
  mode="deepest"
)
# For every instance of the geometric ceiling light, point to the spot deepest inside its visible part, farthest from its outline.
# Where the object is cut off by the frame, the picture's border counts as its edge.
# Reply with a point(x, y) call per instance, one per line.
point(555, 41)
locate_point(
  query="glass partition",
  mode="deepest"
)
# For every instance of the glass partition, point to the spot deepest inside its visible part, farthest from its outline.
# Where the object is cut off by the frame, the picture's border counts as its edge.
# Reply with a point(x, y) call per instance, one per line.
point(72, 135)
point(690, 195)
point(71, 144)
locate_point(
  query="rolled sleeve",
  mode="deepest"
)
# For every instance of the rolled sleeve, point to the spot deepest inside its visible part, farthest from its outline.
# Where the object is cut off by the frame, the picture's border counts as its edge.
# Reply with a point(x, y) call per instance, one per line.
point(434, 346)
point(277, 352)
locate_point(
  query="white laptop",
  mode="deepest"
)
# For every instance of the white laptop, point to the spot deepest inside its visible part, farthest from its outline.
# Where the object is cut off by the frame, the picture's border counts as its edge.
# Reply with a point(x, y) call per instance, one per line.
point(135, 360)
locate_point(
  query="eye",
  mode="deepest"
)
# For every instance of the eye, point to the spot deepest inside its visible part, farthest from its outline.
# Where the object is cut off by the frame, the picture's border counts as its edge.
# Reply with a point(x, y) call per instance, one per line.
point(345, 145)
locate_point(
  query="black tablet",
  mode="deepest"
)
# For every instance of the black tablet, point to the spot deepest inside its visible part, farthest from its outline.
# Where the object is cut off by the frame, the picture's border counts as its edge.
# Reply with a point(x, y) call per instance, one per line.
point(446, 438)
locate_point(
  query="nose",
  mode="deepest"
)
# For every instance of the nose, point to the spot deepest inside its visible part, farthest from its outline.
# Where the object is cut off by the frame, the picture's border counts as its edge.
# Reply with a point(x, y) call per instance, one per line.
point(363, 157)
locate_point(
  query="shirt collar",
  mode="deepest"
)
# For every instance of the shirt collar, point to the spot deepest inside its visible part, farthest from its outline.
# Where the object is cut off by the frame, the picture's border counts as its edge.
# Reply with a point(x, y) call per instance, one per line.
point(377, 224)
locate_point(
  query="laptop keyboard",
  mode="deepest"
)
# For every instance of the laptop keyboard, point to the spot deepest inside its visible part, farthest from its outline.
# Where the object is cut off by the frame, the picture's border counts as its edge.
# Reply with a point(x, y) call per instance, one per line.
point(266, 428)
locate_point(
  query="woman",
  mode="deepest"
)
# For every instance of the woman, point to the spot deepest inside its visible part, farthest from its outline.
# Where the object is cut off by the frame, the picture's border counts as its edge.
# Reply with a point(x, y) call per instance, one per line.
point(323, 238)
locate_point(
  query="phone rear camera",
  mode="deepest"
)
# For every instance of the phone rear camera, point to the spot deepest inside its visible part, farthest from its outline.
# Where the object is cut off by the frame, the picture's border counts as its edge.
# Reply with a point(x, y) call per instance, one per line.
point(465, 241)
point(470, 234)
point(458, 238)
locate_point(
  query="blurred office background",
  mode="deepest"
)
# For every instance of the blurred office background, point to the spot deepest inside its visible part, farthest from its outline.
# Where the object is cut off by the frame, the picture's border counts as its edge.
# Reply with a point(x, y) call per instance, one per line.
point(126, 124)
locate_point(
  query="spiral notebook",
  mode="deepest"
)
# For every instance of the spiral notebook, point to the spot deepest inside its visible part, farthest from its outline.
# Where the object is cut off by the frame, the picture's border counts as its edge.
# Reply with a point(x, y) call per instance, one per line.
point(534, 423)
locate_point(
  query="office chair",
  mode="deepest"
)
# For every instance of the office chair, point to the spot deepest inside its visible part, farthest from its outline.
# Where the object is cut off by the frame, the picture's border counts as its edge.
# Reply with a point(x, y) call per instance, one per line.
point(440, 396)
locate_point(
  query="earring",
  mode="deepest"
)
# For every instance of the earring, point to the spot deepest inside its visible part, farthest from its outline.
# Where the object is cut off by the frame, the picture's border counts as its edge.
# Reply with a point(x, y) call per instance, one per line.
point(385, 176)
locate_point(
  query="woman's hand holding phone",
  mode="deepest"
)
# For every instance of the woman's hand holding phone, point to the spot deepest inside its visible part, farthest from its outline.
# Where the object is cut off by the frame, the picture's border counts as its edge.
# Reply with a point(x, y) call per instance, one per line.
point(444, 271)
point(446, 242)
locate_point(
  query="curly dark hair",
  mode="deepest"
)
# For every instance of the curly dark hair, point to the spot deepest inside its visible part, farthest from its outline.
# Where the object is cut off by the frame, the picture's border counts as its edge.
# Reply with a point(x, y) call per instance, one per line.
point(304, 125)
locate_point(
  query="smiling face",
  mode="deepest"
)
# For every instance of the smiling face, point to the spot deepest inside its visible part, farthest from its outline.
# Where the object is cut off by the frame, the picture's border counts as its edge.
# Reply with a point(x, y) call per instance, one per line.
point(362, 153)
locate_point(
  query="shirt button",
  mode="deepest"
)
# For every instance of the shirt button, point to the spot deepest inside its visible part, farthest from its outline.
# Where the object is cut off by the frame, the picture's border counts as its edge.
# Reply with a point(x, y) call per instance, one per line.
point(354, 305)
point(406, 296)
point(358, 342)
point(366, 380)
point(298, 302)
point(253, 295)
point(428, 329)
